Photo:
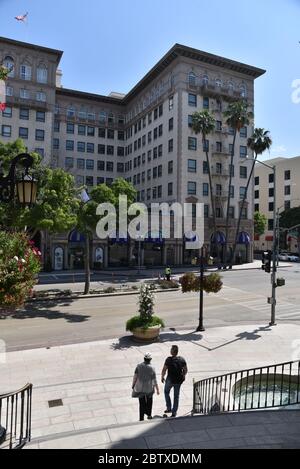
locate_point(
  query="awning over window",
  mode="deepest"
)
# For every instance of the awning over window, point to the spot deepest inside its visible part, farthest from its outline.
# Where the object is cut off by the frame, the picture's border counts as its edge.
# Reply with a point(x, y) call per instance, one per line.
point(118, 238)
point(154, 237)
point(243, 238)
point(218, 238)
point(191, 237)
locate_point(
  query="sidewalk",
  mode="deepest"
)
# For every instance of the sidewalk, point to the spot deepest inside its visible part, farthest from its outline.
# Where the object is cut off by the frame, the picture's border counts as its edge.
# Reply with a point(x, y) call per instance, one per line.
point(94, 379)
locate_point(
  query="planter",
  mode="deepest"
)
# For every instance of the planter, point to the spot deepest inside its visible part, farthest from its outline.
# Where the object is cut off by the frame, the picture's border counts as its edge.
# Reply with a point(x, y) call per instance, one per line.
point(151, 333)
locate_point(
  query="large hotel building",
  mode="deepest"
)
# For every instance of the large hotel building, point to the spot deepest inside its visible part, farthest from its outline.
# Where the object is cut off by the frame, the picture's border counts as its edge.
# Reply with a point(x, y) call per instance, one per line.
point(144, 136)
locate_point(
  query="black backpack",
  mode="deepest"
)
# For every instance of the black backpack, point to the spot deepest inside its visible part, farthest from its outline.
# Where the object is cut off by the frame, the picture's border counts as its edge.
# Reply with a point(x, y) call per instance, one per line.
point(176, 370)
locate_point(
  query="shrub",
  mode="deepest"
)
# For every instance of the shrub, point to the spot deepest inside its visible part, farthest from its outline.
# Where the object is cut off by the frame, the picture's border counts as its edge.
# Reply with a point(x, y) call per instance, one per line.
point(165, 284)
point(191, 283)
point(19, 267)
point(146, 317)
point(109, 290)
point(138, 321)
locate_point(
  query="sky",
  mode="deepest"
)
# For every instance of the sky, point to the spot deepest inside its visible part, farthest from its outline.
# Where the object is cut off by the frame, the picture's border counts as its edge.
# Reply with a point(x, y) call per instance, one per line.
point(110, 45)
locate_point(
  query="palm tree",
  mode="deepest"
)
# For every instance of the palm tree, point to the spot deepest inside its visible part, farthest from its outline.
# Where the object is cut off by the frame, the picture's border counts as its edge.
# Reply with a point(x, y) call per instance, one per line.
point(258, 143)
point(203, 122)
point(237, 116)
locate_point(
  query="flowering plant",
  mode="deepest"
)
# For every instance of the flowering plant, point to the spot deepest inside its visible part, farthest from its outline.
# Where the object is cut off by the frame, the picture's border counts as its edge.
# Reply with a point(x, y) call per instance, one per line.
point(19, 266)
point(4, 72)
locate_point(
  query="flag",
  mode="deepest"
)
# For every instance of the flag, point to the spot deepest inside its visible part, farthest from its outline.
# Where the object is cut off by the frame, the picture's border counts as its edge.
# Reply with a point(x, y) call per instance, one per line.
point(21, 17)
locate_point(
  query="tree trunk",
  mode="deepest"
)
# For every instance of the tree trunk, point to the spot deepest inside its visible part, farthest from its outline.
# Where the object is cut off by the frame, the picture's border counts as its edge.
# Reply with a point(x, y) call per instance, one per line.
point(211, 192)
point(87, 265)
point(240, 215)
point(228, 199)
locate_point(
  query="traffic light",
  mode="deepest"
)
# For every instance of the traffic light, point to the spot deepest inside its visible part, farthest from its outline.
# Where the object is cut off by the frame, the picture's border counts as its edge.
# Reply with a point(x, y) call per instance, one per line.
point(267, 261)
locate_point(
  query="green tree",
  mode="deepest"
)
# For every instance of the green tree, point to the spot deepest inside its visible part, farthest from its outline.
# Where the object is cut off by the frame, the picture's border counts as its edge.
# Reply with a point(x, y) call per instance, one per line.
point(204, 123)
point(260, 223)
point(290, 217)
point(237, 116)
point(259, 142)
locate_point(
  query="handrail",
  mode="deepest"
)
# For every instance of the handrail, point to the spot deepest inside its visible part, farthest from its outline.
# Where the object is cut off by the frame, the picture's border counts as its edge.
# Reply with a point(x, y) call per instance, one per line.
point(254, 388)
point(15, 418)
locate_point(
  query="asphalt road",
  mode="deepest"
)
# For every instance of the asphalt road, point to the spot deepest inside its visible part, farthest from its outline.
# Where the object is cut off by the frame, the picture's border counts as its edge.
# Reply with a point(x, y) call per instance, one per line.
point(243, 300)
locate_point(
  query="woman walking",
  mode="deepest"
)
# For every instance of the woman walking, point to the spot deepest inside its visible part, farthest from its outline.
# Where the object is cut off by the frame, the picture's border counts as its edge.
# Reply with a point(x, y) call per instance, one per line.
point(143, 385)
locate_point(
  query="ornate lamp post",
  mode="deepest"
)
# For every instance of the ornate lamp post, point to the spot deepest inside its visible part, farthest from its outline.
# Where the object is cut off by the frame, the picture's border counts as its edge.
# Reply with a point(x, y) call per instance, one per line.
point(24, 185)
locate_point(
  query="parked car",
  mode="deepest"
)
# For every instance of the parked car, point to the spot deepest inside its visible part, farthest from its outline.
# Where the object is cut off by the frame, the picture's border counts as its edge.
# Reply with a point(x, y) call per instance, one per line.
point(293, 258)
point(283, 256)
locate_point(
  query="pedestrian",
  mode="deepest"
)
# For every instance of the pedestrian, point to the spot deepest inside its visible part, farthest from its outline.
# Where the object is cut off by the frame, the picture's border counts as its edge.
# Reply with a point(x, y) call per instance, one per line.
point(168, 273)
point(143, 385)
point(177, 370)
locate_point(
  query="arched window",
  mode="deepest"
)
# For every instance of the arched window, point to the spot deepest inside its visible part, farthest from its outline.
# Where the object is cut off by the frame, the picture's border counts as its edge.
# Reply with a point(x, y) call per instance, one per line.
point(205, 80)
point(218, 82)
point(41, 74)
point(192, 79)
point(25, 72)
point(9, 63)
point(230, 86)
point(243, 91)
point(70, 111)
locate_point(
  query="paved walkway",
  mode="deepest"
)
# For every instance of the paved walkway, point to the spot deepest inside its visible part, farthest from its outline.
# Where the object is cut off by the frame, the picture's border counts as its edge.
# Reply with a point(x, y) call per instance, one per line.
point(94, 379)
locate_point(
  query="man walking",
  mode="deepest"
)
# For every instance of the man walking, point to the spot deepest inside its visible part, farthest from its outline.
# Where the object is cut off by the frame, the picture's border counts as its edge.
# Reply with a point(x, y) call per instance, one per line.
point(143, 385)
point(168, 273)
point(177, 370)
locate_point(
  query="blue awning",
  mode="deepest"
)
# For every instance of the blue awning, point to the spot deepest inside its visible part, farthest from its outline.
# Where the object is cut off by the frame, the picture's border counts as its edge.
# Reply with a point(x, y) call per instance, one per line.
point(243, 238)
point(154, 237)
point(191, 237)
point(118, 238)
point(218, 238)
point(76, 237)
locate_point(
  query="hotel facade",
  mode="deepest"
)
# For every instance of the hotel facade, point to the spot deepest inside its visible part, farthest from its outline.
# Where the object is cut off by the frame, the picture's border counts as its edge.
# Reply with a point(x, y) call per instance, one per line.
point(144, 136)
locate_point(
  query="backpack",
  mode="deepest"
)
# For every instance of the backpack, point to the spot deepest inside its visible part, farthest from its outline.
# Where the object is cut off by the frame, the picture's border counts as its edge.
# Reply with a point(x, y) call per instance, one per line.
point(176, 370)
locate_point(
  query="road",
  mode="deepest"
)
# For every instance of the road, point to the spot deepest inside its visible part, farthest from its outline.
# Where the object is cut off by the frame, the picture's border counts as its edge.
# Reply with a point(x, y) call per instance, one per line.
point(243, 300)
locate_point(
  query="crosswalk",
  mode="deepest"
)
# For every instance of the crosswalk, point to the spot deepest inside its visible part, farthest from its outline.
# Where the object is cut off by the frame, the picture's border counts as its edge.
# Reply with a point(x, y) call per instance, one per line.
point(257, 302)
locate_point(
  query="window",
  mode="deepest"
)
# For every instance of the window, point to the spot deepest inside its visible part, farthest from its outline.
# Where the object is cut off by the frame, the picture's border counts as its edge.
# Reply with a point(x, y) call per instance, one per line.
point(155, 113)
point(244, 213)
point(90, 131)
point(160, 110)
point(218, 146)
point(270, 224)
point(243, 132)
point(192, 143)
point(25, 72)
point(8, 62)
point(170, 188)
point(90, 164)
point(80, 163)
point(149, 117)
point(256, 180)
point(271, 178)
point(100, 165)
point(100, 180)
point(243, 192)
point(205, 102)
point(171, 124)
point(256, 207)
point(91, 116)
point(109, 181)
point(148, 194)
point(155, 133)
point(205, 167)
point(149, 137)
point(149, 155)
point(205, 145)
point(160, 130)
point(219, 168)
point(205, 189)
point(24, 94)
point(69, 162)
point(120, 151)
point(192, 166)
point(40, 134)
point(109, 166)
point(110, 149)
point(218, 126)
point(81, 129)
point(271, 192)
point(243, 151)
point(82, 115)
point(271, 206)
point(218, 189)
point(154, 173)
point(159, 192)
point(206, 211)
point(101, 149)
point(110, 133)
point(90, 148)
point(40, 151)
point(120, 167)
point(231, 130)
point(24, 113)
point(148, 174)
point(41, 96)
point(120, 135)
point(160, 150)
point(170, 167)
point(154, 192)
point(81, 146)
point(79, 180)
point(70, 145)
point(89, 180)
point(70, 128)
point(102, 116)
point(56, 126)
point(111, 118)
point(190, 120)
point(230, 148)
point(192, 100)
point(6, 131)
point(256, 194)
point(192, 187)
point(40, 116)
point(287, 175)
point(243, 172)
point(9, 91)
point(218, 212)
point(243, 91)
point(171, 103)
point(170, 145)
point(231, 170)
point(70, 112)
point(231, 212)
point(7, 112)
point(231, 192)
point(101, 132)
point(56, 143)
point(41, 74)
point(159, 171)
point(287, 205)
point(287, 190)
point(192, 79)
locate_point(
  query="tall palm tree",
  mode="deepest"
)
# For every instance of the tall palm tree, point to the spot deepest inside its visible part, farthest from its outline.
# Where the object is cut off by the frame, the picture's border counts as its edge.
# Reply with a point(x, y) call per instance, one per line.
point(259, 142)
point(237, 116)
point(203, 122)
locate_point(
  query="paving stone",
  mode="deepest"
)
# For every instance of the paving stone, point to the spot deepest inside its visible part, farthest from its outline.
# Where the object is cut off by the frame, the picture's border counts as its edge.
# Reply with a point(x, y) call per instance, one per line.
point(76, 441)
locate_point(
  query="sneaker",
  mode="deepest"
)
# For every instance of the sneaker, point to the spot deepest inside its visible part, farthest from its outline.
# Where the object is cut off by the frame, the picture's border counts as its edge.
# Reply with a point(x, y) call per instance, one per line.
point(167, 411)
point(149, 417)
point(173, 415)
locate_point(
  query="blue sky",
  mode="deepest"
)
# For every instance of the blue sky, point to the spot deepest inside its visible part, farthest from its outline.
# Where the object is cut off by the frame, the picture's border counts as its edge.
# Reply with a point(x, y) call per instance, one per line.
point(111, 45)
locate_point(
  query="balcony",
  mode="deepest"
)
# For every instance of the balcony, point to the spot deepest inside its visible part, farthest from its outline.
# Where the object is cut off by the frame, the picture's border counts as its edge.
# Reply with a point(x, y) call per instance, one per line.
point(220, 196)
point(223, 151)
point(214, 91)
point(18, 102)
point(217, 173)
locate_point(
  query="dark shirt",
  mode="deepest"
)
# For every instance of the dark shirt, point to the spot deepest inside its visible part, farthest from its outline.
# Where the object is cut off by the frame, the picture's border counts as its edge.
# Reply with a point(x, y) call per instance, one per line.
point(175, 367)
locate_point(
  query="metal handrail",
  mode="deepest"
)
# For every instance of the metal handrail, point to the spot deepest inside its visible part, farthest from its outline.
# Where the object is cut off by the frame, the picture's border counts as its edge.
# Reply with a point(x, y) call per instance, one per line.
point(250, 389)
point(15, 418)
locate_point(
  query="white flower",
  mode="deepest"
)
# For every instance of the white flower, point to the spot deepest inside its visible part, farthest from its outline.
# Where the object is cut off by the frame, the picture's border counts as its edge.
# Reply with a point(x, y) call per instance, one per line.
point(23, 261)
point(16, 258)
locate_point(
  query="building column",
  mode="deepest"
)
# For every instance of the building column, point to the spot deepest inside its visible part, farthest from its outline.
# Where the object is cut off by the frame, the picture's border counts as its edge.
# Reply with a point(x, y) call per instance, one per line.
point(105, 249)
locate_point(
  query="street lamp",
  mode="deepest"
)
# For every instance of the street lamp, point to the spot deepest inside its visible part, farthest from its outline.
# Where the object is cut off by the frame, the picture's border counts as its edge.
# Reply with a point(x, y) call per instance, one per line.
point(24, 185)
point(274, 253)
point(200, 327)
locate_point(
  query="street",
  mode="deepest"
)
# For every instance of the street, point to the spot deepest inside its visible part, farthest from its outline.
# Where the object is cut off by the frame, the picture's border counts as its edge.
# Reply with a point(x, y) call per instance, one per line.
point(243, 300)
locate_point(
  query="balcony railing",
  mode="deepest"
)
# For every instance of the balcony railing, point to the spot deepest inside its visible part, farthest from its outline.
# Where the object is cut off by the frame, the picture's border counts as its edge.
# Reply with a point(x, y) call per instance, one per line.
point(15, 418)
point(220, 151)
point(217, 173)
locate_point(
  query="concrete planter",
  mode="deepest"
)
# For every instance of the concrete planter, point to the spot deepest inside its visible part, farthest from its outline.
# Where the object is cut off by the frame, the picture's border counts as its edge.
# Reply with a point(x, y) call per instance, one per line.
point(151, 333)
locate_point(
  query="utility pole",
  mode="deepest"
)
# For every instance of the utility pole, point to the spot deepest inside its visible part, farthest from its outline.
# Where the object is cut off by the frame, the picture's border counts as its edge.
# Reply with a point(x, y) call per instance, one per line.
point(200, 327)
point(274, 257)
